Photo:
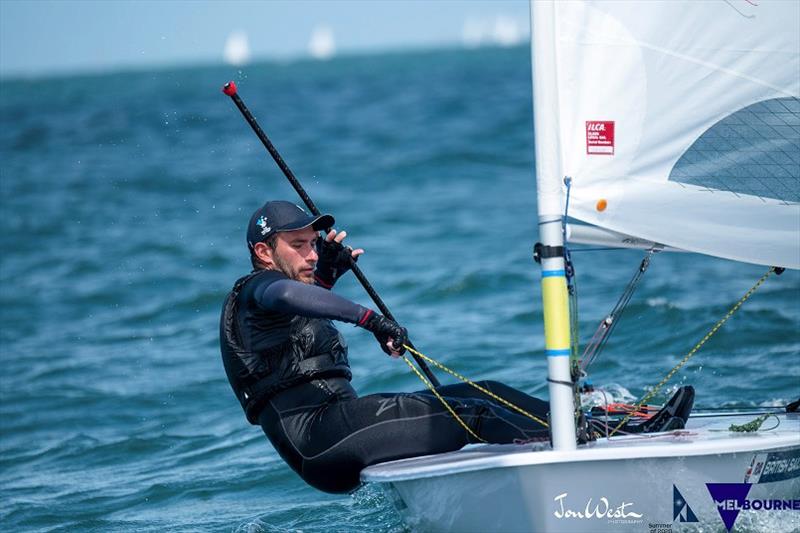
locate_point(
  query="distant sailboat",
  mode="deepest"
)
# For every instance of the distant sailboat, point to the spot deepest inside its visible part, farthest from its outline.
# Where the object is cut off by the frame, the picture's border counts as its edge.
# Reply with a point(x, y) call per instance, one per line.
point(322, 45)
point(506, 31)
point(472, 32)
point(237, 49)
point(502, 30)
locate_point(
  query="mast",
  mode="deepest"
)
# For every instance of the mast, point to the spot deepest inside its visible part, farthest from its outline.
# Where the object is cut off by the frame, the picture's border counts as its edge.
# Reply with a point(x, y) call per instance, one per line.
point(549, 177)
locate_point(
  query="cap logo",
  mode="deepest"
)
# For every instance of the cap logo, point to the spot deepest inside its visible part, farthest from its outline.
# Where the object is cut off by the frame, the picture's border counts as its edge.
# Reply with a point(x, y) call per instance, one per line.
point(262, 223)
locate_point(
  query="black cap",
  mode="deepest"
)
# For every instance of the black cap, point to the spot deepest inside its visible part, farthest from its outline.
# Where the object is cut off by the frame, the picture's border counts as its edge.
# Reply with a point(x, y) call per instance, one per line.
point(277, 216)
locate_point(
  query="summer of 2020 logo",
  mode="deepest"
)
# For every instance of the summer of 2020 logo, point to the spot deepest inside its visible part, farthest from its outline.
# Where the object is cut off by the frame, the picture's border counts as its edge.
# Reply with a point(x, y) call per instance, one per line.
point(681, 510)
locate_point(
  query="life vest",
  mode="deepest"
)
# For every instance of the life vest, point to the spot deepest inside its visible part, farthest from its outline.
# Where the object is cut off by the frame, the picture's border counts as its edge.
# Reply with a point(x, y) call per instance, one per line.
point(313, 349)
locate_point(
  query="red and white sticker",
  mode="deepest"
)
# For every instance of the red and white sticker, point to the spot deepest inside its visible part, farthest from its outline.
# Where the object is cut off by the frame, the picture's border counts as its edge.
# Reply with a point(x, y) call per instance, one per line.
point(600, 137)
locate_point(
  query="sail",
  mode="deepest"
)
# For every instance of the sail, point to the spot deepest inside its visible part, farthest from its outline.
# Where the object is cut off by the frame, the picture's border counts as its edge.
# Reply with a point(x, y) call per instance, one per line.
point(678, 122)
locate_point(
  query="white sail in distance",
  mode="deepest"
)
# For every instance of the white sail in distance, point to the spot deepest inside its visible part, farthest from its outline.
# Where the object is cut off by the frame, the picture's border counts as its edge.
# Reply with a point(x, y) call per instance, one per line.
point(322, 44)
point(680, 127)
point(237, 49)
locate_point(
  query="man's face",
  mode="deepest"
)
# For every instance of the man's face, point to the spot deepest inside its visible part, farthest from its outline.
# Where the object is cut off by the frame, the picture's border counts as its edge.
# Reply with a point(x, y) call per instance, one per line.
point(295, 254)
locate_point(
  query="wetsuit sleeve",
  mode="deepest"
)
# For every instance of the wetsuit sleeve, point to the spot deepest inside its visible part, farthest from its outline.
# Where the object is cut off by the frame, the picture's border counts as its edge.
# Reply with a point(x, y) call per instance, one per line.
point(295, 298)
point(319, 282)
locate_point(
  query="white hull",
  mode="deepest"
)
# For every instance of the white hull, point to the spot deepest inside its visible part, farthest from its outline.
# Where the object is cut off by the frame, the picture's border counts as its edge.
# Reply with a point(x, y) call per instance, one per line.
point(486, 488)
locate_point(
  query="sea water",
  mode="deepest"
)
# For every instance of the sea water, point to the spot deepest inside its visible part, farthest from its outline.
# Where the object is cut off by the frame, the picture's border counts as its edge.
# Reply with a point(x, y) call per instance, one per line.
point(124, 203)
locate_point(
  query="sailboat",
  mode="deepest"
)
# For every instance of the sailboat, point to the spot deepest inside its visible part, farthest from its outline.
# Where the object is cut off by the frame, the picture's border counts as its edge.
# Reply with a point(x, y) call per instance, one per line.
point(663, 126)
point(237, 49)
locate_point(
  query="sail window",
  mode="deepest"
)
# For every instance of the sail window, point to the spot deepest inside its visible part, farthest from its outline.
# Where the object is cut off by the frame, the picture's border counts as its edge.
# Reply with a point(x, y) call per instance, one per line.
point(754, 151)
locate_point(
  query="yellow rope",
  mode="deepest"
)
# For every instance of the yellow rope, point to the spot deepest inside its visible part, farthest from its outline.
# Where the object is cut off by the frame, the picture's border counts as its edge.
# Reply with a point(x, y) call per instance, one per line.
point(428, 383)
point(471, 383)
point(636, 408)
point(694, 350)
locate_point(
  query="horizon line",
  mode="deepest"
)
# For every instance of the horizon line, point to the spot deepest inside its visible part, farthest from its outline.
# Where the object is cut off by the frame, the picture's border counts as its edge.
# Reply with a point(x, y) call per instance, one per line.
point(291, 58)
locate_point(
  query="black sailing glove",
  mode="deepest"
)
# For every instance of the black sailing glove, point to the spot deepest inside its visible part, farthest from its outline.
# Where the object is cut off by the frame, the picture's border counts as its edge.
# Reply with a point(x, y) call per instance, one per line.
point(334, 261)
point(383, 328)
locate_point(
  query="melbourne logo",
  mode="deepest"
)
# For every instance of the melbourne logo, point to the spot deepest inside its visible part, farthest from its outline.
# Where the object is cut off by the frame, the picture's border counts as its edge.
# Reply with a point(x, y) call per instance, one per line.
point(602, 509)
point(731, 498)
point(680, 507)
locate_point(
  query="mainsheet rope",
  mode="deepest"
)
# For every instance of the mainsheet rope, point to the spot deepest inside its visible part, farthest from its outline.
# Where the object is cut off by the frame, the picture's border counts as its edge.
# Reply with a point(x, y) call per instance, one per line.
point(694, 350)
point(635, 409)
point(469, 382)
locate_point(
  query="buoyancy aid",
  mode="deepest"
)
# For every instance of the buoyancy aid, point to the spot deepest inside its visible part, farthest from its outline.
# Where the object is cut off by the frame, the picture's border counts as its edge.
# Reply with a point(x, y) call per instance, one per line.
point(312, 349)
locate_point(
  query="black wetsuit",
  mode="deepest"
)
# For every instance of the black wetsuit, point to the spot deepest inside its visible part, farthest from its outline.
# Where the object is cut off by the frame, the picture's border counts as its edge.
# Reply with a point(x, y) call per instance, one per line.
point(318, 424)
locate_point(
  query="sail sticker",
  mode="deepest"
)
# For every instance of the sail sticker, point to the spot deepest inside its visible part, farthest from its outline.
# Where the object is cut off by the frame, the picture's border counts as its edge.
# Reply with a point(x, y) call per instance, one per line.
point(775, 466)
point(599, 137)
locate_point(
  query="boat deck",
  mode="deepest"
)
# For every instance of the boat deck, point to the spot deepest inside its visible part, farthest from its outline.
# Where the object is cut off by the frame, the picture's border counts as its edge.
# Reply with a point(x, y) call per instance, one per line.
point(705, 434)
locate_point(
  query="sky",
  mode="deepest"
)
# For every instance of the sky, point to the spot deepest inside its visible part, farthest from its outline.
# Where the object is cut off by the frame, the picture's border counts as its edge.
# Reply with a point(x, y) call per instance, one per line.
point(45, 37)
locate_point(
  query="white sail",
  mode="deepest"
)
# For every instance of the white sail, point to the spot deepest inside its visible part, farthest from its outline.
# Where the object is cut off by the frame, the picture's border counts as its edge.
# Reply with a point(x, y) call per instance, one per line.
point(681, 127)
point(322, 44)
point(237, 49)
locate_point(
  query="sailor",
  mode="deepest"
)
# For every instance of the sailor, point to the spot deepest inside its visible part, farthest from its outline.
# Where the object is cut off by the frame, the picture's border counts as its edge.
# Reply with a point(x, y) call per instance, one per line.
point(287, 364)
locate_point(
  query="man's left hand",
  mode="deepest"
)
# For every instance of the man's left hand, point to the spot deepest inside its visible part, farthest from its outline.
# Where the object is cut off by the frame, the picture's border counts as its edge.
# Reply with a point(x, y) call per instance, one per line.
point(390, 335)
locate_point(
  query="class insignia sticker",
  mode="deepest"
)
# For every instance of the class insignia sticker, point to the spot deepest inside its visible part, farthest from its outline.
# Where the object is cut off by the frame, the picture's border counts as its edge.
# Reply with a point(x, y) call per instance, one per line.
point(600, 137)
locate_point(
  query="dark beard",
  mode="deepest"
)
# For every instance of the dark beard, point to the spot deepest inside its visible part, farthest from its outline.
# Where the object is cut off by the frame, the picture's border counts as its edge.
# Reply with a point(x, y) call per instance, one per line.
point(285, 268)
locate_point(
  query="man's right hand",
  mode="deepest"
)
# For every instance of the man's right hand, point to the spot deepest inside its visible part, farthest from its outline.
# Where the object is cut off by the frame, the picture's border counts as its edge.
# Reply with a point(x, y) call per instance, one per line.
point(391, 336)
point(335, 259)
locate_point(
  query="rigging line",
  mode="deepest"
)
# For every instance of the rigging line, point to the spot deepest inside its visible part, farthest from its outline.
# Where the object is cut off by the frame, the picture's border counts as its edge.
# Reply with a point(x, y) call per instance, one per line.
point(436, 393)
point(572, 285)
point(568, 183)
point(476, 386)
point(748, 409)
point(739, 12)
point(703, 414)
point(574, 324)
point(613, 248)
point(752, 426)
point(697, 346)
point(736, 429)
point(603, 332)
point(599, 339)
point(605, 401)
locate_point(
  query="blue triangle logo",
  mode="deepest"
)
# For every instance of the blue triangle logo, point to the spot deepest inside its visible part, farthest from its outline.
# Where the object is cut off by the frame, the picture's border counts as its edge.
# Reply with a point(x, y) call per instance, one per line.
point(680, 507)
point(729, 499)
